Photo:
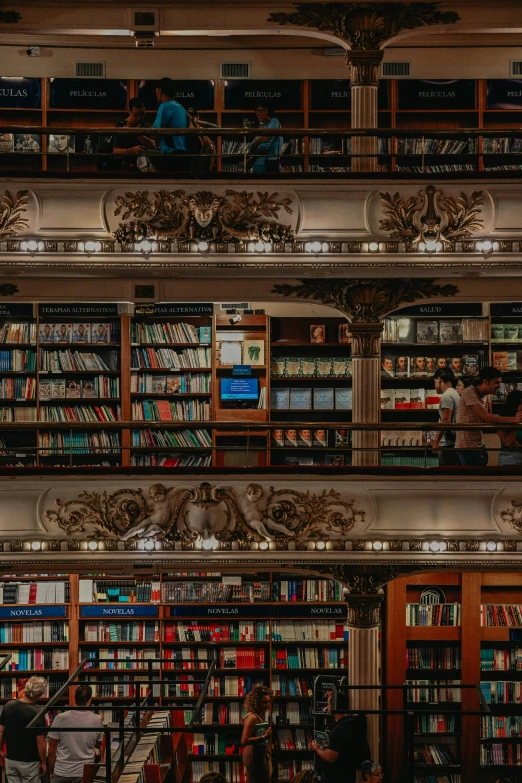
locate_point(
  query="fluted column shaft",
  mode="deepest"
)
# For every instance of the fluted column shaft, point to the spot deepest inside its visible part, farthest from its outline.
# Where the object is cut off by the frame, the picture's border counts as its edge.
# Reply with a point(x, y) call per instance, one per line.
point(366, 389)
point(364, 69)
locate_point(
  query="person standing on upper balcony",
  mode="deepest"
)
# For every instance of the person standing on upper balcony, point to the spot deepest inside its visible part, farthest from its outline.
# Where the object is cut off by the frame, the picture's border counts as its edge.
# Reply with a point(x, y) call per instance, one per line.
point(269, 145)
point(472, 409)
point(133, 146)
point(171, 114)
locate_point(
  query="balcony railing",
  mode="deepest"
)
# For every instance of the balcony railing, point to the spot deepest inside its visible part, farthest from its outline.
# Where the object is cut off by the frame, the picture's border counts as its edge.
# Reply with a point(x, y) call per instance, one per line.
point(311, 152)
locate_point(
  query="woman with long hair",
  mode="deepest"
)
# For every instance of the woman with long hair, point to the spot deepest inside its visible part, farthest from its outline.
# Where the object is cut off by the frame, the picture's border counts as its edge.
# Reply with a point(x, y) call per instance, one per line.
point(371, 771)
point(511, 448)
point(257, 756)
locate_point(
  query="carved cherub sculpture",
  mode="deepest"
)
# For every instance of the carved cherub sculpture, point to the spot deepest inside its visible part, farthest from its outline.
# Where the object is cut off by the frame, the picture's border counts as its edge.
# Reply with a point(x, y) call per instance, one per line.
point(253, 509)
point(160, 513)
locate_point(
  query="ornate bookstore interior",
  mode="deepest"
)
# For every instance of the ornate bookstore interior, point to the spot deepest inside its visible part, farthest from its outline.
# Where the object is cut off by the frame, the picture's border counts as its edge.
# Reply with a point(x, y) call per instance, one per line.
point(260, 385)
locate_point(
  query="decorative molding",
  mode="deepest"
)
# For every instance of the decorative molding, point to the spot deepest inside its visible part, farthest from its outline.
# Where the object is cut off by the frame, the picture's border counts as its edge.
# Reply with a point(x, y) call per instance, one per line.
point(365, 300)
point(366, 339)
point(431, 217)
point(364, 611)
point(217, 513)
point(236, 217)
point(8, 289)
point(364, 67)
point(9, 17)
point(365, 27)
point(11, 209)
point(512, 516)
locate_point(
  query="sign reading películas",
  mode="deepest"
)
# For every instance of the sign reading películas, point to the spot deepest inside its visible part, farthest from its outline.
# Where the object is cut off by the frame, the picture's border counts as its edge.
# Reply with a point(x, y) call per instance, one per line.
point(20, 93)
point(88, 94)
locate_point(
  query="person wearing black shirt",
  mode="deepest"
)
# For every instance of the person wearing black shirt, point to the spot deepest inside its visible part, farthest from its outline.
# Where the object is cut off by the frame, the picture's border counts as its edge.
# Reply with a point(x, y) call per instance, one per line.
point(26, 751)
point(348, 745)
point(129, 144)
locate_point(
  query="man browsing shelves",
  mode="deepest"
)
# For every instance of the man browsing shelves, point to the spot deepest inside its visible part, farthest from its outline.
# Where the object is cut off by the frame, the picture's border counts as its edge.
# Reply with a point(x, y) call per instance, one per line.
point(69, 751)
point(347, 745)
point(26, 751)
point(449, 401)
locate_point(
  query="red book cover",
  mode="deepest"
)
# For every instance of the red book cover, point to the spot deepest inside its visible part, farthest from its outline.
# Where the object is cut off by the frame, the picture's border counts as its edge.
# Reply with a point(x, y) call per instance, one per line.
point(32, 593)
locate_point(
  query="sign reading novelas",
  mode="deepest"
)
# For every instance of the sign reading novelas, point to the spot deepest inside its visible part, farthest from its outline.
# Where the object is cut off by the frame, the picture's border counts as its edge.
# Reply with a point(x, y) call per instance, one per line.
point(22, 612)
point(248, 93)
point(20, 93)
point(294, 610)
point(436, 94)
point(82, 310)
point(88, 94)
point(198, 93)
point(220, 611)
point(117, 610)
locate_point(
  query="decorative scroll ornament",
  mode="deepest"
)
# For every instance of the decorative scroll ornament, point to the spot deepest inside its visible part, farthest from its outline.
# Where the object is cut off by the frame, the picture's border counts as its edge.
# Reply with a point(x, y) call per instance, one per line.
point(364, 67)
point(11, 209)
point(205, 511)
point(8, 289)
point(365, 26)
point(202, 216)
point(365, 300)
point(366, 338)
point(364, 611)
point(512, 516)
point(430, 218)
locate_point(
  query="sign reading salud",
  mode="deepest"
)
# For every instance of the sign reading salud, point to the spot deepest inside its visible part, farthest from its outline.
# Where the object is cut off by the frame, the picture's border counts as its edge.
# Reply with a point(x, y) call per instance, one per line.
point(20, 93)
point(88, 94)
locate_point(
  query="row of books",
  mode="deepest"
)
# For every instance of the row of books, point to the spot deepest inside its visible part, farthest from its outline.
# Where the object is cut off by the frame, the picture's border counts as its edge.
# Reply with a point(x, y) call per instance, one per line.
point(307, 631)
point(430, 723)
point(225, 713)
point(239, 685)
point(35, 592)
point(399, 461)
point(123, 689)
point(424, 146)
point(85, 413)
point(34, 632)
point(186, 383)
point(506, 333)
point(308, 438)
point(286, 770)
point(18, 361)
point(215, 592)
point(163, 410)
point(426, 366)
point(309, 658)
point(10, 687)
point(291, 712)
point(18, 332)
point(433, 658)
point(316, 398)
point(242, 658)
point(78, 442)
point(94, 590)
point(37, 659)
point(503, 659)
point(67, 360)
point(168, 358)
point(229, 631)
point(329, 460)
point(444, 169)
point(18, 414)
point(507, 361)
point(222, 742)
point(122, 657)
point(501, 614)
point(307, 590)
point(122, 631)
point(99, 386)
point(406, 438)
point(97, 333)
point(147, 751)
point(292, 686)
point(502, 692)
point(500, 754)
point(432, 754)
point(310, 367)
point(18, 388)
point(439, 779)
point(500, 725)
point(178, 438)
point(169, 332)
point(435, 331)
point(409, 399)
point(292, 739)
point(433, 614)
point(232, 771)
point(172, 461)
point(429, 692)
point(187, 659)
point(501, 145)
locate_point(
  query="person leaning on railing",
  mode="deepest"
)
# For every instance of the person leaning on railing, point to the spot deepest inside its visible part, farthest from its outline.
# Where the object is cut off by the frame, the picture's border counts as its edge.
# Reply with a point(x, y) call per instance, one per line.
point(26, 751)
point(511, 448)
point(171, 114)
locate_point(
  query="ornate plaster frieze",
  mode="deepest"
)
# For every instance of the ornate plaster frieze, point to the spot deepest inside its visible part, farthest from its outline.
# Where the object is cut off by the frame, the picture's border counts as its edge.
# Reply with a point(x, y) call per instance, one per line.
point(11, 211)
point(202, 216)
point(365, 300)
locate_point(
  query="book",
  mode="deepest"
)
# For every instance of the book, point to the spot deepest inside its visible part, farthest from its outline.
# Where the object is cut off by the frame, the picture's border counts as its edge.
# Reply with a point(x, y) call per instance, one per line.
point(334, 460)
point(431, 365)
point(318, 334)
point(406, 330)
point(418, 398)
point(280, 398)
point(432, 399)
point(322, 739)
point(173, 384)
point(46, 333)
point(388, 366)
point(455, 365)
point(418, 367)
point(324, 368)
point(320, 438)
point(278, 438)
point(450, 332)
point(159, 384)
point(292, 367)
point(506, 361)
point(470, 364)
point(277, 368)
point(344, 335)
point(343, 398)
point(323, 398)
point(6, 142)
point(301, 398)
point(81, 333)
point(305, 438)
point(291, 437)
point(58, 387)
point(387, 399)
point(100, 333)
point(342, 437)
point(427, 332)
point(253, 352)
point(73, 388)
point(402, 367)
point(308, 367)
point(62, 333)
point(205, 334)
point(402, 399)
point(88, 388)
point(45, 389)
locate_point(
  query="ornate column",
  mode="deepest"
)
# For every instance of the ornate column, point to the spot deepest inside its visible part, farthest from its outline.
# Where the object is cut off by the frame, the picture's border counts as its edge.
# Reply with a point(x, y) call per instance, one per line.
point(364, 658)
point(364, 75)
point(366, 389)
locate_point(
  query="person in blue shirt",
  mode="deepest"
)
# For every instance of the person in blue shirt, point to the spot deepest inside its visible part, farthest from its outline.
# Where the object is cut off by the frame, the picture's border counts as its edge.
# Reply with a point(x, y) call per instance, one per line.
point(271, 145)
point(171, 114)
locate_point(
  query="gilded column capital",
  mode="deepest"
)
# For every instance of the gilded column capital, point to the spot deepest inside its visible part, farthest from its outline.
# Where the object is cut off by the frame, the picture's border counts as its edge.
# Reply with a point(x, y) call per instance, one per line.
point(366, 338)
point(364, 66)
point(364, 611)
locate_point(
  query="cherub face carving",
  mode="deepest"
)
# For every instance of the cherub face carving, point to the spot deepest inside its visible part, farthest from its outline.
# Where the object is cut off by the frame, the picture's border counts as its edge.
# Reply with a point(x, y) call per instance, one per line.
point(204, 207)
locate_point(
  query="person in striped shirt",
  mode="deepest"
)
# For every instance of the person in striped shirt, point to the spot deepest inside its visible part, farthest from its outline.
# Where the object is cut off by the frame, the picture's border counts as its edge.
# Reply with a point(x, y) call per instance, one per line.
point(472, 409)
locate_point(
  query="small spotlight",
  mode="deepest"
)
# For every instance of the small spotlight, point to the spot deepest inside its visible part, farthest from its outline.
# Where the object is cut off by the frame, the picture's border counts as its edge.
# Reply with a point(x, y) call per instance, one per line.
point(377, 545)
point(316, 247)
point(36, 545)
point(373, 247)
point(491, 546)
point(263, 545)
point(202, 247)
point(92, 545)
point(487, 245)
point(435, 546)
point(210, 543)
point(320, 545)
point(149, 545)
point(92, 247)
point(259, 247)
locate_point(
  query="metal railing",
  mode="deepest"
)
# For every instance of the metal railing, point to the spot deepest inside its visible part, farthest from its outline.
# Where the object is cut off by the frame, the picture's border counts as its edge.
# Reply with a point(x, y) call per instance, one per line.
point(303, 151)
